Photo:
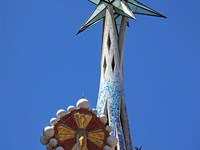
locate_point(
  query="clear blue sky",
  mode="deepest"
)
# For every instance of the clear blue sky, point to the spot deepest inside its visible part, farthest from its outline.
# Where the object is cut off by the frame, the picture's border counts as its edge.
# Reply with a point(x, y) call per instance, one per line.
point(45, 67)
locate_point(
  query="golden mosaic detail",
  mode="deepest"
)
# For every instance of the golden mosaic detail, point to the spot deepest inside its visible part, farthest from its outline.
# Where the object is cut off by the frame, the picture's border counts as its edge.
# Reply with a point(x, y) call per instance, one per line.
point(65, 133)
point(97, 137)
point(82, 144)
point(82, 119)
point(83, 131)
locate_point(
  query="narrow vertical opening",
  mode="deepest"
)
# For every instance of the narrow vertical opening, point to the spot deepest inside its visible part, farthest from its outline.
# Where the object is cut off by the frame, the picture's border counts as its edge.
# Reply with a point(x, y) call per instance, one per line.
point(106, 112)
point(122, 124)
point(104, 66)
point(108, 42)
point(113, 64)
point(108, 122)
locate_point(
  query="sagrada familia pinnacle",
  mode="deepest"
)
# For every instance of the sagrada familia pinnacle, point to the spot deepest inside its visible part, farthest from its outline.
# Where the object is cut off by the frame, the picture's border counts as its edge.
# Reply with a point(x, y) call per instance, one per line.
point(107, 126)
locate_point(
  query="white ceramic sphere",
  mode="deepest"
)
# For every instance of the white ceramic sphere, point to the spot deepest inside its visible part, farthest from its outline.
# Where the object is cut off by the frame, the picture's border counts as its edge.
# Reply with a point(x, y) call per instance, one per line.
point(106, 147)
point(103, 119)
point(112, 141)
point(59, 148)
point(53, 142)
point(61, 113)
point(70, 109)
point(108, 128)
point(94, 111)
point(53, 121)
point(83, 103)
point(48, 132)
point(49, 147)
point(43, 140)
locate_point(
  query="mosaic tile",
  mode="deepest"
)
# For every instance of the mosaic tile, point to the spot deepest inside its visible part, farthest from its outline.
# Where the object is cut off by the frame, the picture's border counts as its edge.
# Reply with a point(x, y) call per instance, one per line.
point(112, 84)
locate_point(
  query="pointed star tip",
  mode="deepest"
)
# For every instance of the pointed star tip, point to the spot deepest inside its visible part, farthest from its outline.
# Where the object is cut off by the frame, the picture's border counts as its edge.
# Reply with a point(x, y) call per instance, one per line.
point(79, 31)
point(163, 16)
point(134, 18)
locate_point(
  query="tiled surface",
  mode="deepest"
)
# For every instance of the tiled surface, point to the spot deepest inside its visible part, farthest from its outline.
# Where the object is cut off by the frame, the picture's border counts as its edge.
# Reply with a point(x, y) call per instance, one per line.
point(112, 83)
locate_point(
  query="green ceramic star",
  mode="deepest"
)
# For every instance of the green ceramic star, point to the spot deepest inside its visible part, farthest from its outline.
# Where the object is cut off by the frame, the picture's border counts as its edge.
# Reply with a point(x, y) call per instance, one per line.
point(121, 8)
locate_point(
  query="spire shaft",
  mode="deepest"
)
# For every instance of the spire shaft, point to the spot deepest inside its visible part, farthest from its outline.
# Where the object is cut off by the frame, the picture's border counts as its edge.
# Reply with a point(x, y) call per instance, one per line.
point(111, 99)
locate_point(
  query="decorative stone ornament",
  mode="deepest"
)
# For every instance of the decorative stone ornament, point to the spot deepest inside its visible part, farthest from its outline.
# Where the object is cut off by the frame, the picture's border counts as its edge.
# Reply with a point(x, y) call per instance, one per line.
point(48, 132)
point(53, 121)
point(43, 140)
point(59, 148)
point(103, 119)
point(70, 109)
point(49, 147)
point(107, 147)
point(108, 128)
point(112, 141)
point(83, 103)
point(53, 142)
point(61, 113)
point(79, 129)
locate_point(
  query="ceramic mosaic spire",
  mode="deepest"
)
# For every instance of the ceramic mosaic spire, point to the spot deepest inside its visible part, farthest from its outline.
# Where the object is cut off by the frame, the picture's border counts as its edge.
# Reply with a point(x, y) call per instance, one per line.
point(111, 98)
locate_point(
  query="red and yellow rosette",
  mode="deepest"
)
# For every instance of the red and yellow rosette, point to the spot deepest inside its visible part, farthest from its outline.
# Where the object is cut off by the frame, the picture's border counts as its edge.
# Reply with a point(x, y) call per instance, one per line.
point(83, 124)
point(80, 129)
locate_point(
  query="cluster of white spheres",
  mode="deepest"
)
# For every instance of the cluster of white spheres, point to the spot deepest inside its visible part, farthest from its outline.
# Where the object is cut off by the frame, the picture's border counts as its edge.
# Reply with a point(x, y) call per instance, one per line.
point(48, 132)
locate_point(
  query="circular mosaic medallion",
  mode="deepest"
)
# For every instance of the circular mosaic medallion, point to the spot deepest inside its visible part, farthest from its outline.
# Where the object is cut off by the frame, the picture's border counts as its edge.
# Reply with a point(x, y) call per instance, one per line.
point(81, 129)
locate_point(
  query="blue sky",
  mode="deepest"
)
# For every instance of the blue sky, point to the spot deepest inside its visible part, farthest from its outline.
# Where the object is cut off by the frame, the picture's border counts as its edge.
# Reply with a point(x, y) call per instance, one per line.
point(44, 67)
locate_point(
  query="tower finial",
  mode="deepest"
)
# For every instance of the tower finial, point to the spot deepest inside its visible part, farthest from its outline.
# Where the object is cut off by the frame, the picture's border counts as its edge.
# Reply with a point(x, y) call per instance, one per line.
point(126, 8)
point(82, 94)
